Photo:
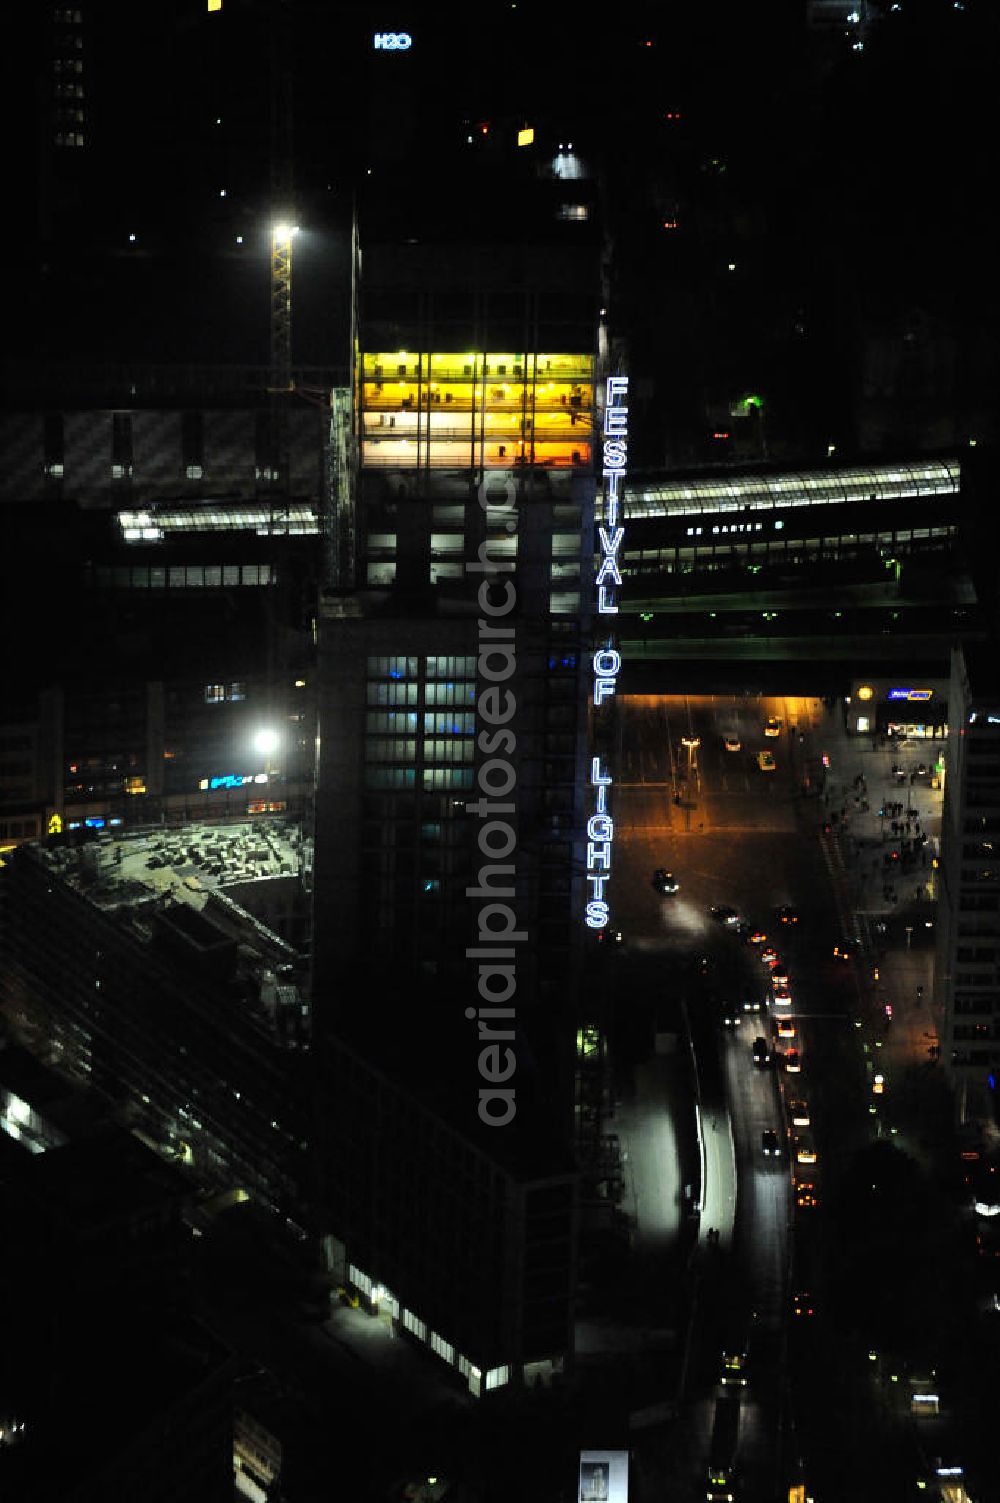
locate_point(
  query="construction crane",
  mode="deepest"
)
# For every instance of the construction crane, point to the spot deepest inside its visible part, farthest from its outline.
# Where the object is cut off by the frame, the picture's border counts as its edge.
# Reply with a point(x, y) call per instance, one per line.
point(276, 466)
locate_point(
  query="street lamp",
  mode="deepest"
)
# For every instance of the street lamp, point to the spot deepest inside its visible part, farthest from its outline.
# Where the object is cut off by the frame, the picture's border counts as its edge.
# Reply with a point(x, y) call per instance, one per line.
point(266, 742)
point(692, 743)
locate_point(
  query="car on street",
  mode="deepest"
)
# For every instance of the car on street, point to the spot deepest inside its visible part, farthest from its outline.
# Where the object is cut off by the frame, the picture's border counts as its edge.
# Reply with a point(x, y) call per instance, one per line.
point(802, 1303)
point(784, 1028)
point(765, 761)
point(805, 1195)
point(752, 1004)
point(761, 1053)
point(732, 1015)
point(791, 1062)
point(772, 725)
point(665, 882)
point(769, 955)
point(735, 1352)
point(805, 1149)
point(781, 996)
point(732, 742)
point(725, 915)
point(779, 976)
point(787, 914)
point(798, 1111)
point(769, 1143)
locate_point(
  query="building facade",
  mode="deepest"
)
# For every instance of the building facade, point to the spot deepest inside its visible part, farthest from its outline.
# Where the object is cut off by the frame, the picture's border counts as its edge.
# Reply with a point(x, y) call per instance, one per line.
point(968, 957)
point(475, 425)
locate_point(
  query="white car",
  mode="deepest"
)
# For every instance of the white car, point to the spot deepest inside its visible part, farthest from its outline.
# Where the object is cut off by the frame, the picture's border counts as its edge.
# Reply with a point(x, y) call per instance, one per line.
point(732, 743)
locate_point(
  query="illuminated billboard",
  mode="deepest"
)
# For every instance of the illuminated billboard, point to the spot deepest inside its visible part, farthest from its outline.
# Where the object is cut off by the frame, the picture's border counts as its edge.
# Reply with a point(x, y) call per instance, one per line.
point(603, 1477)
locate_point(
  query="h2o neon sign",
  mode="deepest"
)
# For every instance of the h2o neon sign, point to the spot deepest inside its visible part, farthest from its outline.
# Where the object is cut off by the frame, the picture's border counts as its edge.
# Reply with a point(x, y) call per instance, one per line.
point(393, 41)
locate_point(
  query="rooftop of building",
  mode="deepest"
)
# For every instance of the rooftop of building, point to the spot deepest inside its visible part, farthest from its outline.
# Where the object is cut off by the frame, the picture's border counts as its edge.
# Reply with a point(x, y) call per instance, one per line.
point(189, 863)
point(181, 888)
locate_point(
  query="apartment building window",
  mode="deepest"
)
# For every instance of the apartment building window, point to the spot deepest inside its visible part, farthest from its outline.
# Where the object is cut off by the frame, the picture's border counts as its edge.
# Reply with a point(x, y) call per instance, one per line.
point(450, 751)
point(436, 778)
point(441, 1347)
point(451, 667)
point(54, 445)
point(398, 749)
point(234, 693)
point(462, 723)
point(193, 444)
point(121, 445)
point(391, 722)
point(450, 694)
point(976, 1006)
point(448, 542)
point(415, 1326)
point(396, 667)
point(392, 694)
point(496, 1377)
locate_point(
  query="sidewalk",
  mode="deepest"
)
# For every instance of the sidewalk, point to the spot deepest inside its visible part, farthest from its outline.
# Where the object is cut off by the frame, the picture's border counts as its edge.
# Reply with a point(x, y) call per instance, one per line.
point(884, 819)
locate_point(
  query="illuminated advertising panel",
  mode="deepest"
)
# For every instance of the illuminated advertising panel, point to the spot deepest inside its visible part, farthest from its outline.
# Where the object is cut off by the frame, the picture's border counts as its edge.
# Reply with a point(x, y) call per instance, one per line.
point(233, 780)
point(911, 694)
point(607, 659)
point(603, 1477)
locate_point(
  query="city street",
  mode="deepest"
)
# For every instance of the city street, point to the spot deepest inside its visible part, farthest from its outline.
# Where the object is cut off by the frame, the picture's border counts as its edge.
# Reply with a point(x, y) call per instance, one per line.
point(731, 834)
point(846, 830)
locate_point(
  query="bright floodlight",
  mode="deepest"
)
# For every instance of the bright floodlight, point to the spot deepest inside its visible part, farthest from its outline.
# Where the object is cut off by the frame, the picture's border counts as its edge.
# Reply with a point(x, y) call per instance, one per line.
point(266, 742)
point(285, 231)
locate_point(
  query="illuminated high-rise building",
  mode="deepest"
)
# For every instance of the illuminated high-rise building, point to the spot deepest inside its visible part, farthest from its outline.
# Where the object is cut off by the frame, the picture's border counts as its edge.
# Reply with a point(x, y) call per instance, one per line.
point(476, 355)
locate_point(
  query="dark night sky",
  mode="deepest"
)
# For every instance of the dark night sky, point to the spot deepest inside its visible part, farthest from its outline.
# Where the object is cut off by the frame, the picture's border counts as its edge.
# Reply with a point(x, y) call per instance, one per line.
point(851, 191)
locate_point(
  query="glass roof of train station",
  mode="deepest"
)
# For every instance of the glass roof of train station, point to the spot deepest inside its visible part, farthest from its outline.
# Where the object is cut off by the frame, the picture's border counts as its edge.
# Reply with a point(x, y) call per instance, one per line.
point(737, 493)
point(152, 525)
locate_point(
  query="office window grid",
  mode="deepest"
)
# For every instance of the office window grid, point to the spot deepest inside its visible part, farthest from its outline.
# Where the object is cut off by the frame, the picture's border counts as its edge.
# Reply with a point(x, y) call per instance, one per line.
point(437, 762)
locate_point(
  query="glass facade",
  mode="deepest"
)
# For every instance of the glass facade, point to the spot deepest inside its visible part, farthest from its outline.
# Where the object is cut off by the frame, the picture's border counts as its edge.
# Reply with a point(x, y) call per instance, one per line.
point(476, 410)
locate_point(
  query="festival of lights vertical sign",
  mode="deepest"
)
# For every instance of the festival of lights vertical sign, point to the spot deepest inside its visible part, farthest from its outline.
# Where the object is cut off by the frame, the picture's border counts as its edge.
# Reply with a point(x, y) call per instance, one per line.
point(607, 659)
